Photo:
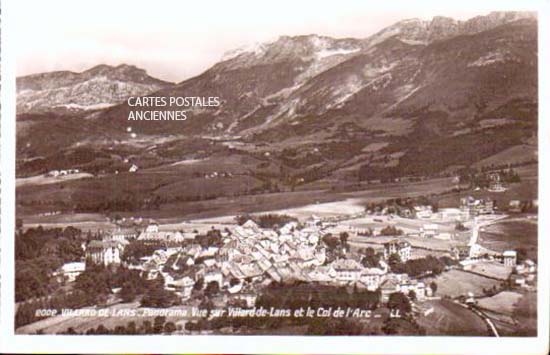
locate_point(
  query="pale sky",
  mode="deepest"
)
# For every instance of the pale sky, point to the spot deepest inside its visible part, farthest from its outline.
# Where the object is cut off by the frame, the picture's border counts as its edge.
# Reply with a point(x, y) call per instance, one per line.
point(175, 40)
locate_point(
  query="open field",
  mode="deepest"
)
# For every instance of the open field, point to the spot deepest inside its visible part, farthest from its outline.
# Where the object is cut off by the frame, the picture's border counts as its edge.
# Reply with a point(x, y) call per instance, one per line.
point(503, 302)
point(525, 313)
point(408, 225)
point(449, 318)
point(515, 154)
point(300, 203)
point(513, 313)
point(492, 269)
point(527, 189)
point(455, 283)
point(350, 203)
point(329, 209)
point(423, 243)
point(83, 221)
point(45, 180)
point(511, 234)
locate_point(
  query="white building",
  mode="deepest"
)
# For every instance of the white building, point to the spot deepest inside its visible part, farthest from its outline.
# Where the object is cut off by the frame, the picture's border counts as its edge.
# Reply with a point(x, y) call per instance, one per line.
point(152, 233)
point(423, 212)
point(345, 270)
point(509, 258)
point(399, 247)
point(249, 298)
point(183, 286)
point(372, 278)
point(429, 230)
point(70, 271)
point(213, 276)
point(103, 252)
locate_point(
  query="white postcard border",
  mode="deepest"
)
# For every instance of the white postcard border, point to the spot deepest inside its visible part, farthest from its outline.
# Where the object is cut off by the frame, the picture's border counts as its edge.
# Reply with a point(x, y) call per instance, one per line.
point(270, 344)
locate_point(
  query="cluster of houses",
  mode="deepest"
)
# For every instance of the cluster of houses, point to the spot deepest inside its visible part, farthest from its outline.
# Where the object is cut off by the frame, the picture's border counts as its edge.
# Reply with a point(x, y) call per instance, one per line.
point(248, 258)
point(468, 254)
point(252, 257)
point(423, 211)
point(245, 258)
point(517, 206)
point(470, 207)
point(215, 175)
point(495, 184)
point(432, 230)
point(473, 207)
point(57, 173)
point(152, 233)
point(525, 274)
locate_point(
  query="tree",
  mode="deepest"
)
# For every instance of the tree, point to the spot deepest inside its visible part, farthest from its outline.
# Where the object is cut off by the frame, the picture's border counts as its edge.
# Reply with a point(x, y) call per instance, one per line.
point(70, 250)
point(212, 288)
point(18, 224)
point(521, 253)
point(147, 327)
point(371, 259)
point(398, 301)
point(199, 285)
point(391, 326)
point(460, 227)
point(70, 331)
point(71, 232)
point(131, 328)
point(391, 231)
point(433, 286)
point(394, 259)
point(101, 330)
point(128, 292)
point(169, 327)
point(93, 283)
point(157, 296)
point(344, 236)
point(330, 241)
point(158, 324)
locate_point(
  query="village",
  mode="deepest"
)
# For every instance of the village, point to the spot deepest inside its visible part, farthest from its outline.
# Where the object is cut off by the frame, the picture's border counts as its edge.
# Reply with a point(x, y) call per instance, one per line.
point(383, 250)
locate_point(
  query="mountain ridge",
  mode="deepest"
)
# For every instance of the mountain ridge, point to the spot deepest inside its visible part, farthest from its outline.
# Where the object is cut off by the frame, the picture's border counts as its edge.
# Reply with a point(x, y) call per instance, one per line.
point(95, 88)
point(314, 102)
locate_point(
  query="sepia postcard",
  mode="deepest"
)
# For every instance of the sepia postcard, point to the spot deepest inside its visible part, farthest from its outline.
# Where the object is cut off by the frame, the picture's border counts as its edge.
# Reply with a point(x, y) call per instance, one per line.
point(290, 176)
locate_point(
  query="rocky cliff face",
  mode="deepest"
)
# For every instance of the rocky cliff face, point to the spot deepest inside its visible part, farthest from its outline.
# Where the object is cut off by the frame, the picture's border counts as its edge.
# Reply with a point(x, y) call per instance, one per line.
point(99, 87)
point(417, 31)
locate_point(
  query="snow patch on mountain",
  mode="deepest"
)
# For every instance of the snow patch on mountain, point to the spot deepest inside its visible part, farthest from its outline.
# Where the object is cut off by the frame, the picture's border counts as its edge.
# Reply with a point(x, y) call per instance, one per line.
point(255, 49)
point(337, 51)
point(343, 92)
point(413, 42)
point(374, 69)
point(97, 106)
point(491, 58)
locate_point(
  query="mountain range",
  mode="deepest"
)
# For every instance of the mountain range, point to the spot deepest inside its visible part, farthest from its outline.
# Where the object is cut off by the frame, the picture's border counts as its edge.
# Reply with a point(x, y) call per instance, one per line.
point(418, 97)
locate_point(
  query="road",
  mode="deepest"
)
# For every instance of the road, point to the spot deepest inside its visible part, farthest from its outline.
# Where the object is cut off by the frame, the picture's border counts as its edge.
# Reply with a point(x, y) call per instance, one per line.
point(487, 320)
point(482, 316)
